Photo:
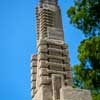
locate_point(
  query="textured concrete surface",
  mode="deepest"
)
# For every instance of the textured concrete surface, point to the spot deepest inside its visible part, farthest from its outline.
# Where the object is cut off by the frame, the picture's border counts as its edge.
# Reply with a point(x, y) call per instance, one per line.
point(50, 68)
point(69, 93)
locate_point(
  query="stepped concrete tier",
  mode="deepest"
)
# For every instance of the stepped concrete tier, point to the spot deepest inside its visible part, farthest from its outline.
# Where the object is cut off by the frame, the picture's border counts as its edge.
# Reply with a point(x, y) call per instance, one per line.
point(50, 68)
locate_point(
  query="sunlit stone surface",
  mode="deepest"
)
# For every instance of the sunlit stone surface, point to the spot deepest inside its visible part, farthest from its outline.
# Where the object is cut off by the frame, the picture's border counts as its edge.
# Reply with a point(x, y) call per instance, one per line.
point(50, 67)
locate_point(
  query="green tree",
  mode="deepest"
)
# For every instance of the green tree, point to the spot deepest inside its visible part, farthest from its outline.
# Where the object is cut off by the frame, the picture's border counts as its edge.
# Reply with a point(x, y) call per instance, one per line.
point(85, 16)
point(87, 74)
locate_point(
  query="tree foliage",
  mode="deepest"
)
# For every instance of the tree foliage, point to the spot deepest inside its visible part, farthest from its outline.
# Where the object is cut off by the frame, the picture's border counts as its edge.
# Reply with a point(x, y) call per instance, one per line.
point(85, 15)
point(88, 72)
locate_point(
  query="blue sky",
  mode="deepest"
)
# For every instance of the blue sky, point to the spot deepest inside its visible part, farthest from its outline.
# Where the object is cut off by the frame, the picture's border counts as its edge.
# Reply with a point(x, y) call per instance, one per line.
point(18, 42)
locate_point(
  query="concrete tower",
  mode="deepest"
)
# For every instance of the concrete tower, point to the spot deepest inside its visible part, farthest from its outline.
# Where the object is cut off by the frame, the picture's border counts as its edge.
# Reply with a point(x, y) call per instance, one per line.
point(50, 68)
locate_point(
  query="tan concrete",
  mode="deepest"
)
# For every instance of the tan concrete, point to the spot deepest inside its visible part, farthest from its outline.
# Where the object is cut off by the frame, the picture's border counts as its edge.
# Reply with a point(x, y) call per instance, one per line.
point(69, 93)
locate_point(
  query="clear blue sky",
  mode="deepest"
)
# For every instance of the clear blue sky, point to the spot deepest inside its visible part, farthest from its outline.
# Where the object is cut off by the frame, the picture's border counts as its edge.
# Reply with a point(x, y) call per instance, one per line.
point(18, 42)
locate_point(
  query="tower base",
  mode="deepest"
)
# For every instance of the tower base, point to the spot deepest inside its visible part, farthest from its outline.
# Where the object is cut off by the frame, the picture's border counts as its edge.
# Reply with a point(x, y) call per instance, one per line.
point(66, 93)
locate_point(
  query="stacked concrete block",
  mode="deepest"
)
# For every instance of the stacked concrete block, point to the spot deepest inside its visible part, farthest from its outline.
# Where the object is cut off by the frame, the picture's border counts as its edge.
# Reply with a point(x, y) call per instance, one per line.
point(33, 74)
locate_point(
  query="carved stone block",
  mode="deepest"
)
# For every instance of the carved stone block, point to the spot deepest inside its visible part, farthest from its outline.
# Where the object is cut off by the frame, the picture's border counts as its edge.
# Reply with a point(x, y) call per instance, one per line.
point(43, 72)
point(43, 93)
point(57, 81)
point(33, 70)
point(69, 93)
point(33, 77)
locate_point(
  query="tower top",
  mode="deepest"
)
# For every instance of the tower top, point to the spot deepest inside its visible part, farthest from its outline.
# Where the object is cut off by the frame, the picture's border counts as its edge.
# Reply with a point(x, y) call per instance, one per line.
point(53, 2)
point(49, 21)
